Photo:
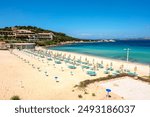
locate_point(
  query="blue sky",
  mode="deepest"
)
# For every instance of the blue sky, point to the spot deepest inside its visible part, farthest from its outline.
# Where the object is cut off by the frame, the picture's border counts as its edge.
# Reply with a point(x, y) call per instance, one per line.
point(81, 18)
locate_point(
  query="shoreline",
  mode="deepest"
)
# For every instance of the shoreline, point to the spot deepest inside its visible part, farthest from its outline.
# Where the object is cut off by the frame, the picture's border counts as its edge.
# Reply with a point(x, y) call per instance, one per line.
point(49, 48)
point(139, 65)
point(22, 74)
point(99, 57)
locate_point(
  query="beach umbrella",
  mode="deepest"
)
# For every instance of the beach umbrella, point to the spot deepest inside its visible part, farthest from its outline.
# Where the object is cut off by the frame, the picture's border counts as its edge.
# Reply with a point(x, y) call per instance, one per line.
point(108, 91)
point(86, 59)
point(94, 67)
point(74, 58)
point(62, 69)
point(107, 66)
point(121, 67)
point(63, 56)
point(93, 61)
point(135, 69)
point(88, 62)
point(97, 65)
point(80, 58)
point(111, 64)
point(56, 78)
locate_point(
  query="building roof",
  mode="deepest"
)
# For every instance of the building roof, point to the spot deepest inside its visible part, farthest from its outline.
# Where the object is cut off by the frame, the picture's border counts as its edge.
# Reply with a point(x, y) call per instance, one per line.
point(22, 44)
point(23, 31)
point(46, 33)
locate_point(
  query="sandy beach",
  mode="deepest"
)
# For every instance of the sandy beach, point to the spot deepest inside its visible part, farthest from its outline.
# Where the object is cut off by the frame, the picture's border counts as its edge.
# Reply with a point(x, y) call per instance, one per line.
point(34, 78)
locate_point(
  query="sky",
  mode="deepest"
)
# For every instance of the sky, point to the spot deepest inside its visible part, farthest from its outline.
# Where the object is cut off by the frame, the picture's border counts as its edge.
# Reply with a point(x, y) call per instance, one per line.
point(86, 19)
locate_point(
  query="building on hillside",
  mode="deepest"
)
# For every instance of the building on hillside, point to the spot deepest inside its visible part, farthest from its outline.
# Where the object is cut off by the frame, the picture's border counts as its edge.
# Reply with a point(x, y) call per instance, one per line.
point(22, 46)
point(48, 36)
point(7, 33)
point(3, 45)
point(26, 34)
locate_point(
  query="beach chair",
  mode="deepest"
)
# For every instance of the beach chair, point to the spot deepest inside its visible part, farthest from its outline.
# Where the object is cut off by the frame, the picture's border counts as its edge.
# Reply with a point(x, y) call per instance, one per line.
point(72, 67)
point(57, 62)
point(106, 72)
point(86, 67)
point(133, 74)
point(101, 66)
point(50, 59)
point(91, 73)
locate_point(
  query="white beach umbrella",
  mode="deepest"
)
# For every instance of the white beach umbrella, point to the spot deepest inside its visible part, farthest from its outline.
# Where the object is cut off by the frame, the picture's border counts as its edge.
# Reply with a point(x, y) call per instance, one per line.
point(86, 59)
point(107, 66)
point(111, 64)
point(93, 61)
point(74, 58)
point(101, 62)
point(80, 58)
point(135, 69)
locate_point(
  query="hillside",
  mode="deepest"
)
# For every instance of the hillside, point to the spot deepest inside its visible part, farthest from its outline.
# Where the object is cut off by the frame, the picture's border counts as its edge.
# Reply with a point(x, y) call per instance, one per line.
point(58, 36)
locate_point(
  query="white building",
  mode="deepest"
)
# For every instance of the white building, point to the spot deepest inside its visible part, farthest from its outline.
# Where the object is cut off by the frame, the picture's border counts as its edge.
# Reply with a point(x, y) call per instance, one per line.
point(27, 34)
point(48, 36)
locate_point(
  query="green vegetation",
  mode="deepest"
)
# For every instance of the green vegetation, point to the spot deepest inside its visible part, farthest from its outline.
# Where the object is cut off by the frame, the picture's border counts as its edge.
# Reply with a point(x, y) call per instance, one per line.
point(144, 78)
point(83, 84)
point(93, 94)
point(86, 92)
point(15, 97)
point(79, 96)
point(57, 38)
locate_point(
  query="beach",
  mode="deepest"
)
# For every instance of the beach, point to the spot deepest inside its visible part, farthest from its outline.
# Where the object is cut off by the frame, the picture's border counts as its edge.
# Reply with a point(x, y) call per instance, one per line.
point(35, 78)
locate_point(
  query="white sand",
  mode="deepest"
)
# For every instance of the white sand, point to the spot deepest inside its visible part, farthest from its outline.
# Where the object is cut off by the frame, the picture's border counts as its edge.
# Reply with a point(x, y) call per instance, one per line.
point(20, 78)
point(129, 88)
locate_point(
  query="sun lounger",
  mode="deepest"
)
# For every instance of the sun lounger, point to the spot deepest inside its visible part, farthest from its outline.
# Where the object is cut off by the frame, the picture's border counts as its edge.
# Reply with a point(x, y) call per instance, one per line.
point(106, 72)
point(86, 67)
point(72, 67)
point(101, 66)
point(132, 74)
point(57, 62)
point(91, 73)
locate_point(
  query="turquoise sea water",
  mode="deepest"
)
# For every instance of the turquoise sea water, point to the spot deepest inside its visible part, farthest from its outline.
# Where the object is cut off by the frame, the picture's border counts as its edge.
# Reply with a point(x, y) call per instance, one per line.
point(140, 49)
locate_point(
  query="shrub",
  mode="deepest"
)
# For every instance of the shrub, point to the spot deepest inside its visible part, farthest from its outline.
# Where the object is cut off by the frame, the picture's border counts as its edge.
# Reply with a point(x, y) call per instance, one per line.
point(80, 96)
point(85, 92)
point(15, 97)
point(93, 94)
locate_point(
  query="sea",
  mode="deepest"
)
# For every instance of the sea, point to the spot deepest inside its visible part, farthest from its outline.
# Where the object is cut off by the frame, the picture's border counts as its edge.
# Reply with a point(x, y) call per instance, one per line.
point(139, 49)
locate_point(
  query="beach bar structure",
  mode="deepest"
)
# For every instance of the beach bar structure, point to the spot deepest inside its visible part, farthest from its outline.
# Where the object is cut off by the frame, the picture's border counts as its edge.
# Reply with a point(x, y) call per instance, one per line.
point(22, 46)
